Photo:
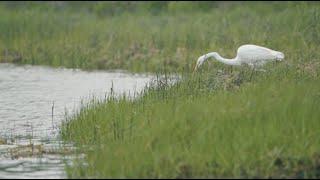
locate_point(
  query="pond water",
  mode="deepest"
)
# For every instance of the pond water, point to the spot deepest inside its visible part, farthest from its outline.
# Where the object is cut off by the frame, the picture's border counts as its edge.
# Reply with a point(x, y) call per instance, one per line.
point(34, 100)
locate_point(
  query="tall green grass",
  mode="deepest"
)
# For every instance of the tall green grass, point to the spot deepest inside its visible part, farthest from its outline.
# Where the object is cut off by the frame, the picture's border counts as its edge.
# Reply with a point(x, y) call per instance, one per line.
point(169, 41)
point(221, 121)
point(207, 125)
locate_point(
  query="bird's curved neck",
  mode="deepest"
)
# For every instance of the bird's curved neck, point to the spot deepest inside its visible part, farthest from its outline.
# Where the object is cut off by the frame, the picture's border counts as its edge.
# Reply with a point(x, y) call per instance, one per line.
point(233, 61)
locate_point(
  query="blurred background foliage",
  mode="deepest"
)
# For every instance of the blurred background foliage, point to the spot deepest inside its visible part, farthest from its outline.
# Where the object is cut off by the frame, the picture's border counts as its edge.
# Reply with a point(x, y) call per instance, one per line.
point(110, 8)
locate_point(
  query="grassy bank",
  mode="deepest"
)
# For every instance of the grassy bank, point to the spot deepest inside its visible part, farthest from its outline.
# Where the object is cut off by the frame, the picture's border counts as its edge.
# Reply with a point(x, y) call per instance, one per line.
point(219, 122)
point(208, 125)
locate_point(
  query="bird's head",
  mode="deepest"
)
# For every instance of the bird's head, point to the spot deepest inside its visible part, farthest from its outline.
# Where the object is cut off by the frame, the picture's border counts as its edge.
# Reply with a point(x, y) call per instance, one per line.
point(200, 61)
point(280, 56)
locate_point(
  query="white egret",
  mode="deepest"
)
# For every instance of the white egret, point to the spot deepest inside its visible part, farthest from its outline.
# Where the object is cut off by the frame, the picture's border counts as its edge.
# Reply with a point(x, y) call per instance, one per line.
point(252, 55)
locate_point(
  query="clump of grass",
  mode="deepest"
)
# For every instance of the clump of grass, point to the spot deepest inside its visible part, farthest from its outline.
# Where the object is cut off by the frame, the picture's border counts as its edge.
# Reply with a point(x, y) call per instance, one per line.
point(37, 150)
point(3, 141)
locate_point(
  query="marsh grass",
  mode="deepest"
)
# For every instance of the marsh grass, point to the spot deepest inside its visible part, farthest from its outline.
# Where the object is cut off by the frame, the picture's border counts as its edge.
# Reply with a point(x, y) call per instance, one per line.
point(146, 42)
point(212, 124)
point(219, 122)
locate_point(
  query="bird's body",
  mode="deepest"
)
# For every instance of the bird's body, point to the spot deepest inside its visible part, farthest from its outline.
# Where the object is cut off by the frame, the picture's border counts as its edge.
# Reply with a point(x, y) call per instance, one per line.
point(252, 55)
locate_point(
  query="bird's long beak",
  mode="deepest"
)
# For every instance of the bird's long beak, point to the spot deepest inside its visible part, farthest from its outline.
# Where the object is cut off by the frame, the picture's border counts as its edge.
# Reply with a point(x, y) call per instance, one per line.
point(196, 66)
point(199, 62)
point(195, 69)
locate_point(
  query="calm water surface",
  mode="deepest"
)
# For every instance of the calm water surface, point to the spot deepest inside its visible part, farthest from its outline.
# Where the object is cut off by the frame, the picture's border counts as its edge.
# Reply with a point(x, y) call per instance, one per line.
point(34, 101)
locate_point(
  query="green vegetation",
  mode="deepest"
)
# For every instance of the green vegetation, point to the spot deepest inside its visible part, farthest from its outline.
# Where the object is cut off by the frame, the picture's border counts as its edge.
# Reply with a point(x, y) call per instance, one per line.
point(169, 41)
point(218, 122)
point(207, 125)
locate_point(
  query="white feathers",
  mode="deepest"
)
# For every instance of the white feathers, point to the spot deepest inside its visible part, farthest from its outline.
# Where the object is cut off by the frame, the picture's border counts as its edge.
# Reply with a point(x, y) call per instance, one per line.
point(252, 55)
